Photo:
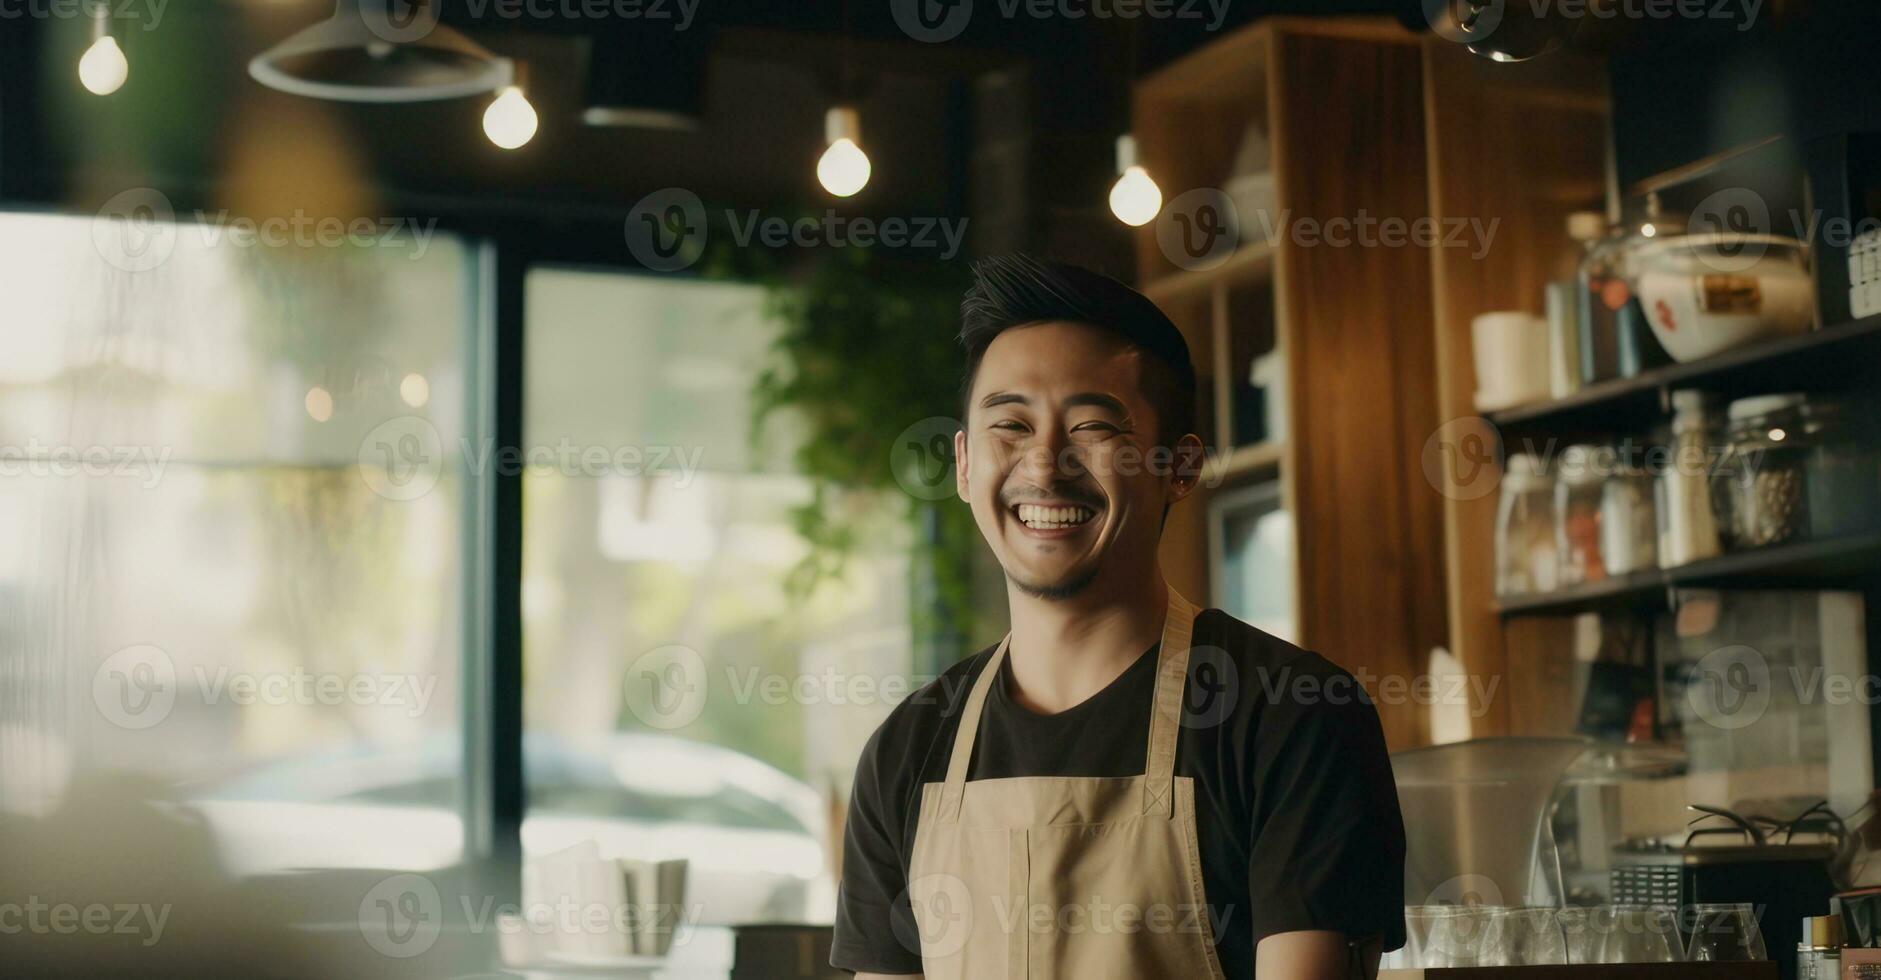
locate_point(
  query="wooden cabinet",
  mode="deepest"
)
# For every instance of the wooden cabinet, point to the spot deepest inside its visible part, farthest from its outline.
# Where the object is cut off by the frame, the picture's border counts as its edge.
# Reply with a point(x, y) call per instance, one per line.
point(1414, 186)
point(1341, 107)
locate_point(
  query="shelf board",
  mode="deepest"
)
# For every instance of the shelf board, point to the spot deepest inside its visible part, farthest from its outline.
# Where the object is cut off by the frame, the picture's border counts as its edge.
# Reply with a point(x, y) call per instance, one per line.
point(1243, 460)
point(1250, 262)
point(1842, 562)
point(1809, 362)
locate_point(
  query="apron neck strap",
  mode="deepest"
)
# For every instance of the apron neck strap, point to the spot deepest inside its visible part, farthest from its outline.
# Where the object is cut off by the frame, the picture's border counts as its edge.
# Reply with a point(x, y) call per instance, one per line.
point(1172, 672)
point(1172, 677)
point(956, 785)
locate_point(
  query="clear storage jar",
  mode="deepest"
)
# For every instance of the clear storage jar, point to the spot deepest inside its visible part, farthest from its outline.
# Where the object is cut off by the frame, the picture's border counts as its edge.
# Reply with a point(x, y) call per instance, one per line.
point(1525, 548)
point(1765, 468)
point(1578, 486)
point(1844, 465)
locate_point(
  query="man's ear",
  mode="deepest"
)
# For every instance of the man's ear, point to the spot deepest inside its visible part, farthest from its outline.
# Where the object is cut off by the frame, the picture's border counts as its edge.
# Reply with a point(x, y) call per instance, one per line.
point(1186, 472)
point(960, 464)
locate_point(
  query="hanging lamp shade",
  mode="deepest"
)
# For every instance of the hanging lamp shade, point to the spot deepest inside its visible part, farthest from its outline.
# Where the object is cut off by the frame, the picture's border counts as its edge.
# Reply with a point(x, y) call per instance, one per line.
point(361, 55)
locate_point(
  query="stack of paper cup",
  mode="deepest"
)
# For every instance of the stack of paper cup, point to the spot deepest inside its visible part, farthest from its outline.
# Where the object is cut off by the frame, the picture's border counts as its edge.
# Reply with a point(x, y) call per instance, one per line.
point(1511, 350)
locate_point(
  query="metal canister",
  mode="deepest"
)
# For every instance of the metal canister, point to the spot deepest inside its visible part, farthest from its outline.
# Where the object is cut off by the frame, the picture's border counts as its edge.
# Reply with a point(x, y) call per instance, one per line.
point(1819, 955)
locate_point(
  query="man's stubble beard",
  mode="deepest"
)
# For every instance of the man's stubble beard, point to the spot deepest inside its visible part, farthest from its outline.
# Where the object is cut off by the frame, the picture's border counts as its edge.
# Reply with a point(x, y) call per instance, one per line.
point(1063, 590)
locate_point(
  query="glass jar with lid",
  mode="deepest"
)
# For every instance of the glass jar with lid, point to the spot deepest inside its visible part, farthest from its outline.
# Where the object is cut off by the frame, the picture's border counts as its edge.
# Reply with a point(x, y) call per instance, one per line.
point(1628, 524)
point(1765, 468)
point(1525, 549)
point(1579, 476)
point(1844, 465)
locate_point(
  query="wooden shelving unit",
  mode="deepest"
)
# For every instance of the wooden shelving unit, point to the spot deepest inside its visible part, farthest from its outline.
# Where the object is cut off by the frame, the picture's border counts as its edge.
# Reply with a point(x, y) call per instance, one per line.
point(1846, 354)
point(1251, 260)
point(1525, 144)
point(1242, 461)
point(1803, 564)
point(1350, 326)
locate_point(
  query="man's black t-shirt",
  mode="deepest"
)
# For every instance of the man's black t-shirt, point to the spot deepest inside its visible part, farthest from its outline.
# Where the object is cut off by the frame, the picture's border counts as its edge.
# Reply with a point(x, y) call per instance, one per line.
point(1296, 811)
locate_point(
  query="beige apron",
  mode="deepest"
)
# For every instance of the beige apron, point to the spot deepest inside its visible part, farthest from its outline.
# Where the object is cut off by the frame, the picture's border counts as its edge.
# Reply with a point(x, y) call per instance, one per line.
point(1079, 877)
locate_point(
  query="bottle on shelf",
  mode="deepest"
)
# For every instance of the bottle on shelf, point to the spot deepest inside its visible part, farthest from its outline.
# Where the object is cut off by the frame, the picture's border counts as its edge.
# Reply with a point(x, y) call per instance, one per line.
point(1563, 304)
point(1688, 521)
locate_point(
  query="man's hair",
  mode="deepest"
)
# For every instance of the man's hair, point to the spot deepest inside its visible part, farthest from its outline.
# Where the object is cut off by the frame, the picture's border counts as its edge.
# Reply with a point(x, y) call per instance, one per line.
point(1017, 290)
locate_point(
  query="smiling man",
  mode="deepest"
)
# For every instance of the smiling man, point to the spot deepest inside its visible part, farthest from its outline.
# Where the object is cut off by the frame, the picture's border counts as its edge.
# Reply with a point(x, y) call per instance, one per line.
point(1126, 786)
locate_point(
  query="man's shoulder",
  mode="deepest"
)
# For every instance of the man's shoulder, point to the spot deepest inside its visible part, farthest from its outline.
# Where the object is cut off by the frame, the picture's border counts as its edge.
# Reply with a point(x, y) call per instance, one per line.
point(1252, 647)
point(925, 713)
point(1269, 668)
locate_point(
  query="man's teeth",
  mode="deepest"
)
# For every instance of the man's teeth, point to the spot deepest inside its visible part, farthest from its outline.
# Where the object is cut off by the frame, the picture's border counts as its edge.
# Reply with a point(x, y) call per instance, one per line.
point(1046, 518)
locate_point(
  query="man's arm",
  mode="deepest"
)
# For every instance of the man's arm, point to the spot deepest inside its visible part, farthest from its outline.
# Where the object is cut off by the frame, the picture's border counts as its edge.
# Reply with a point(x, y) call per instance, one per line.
point(1326, 861)
point(1315, 955)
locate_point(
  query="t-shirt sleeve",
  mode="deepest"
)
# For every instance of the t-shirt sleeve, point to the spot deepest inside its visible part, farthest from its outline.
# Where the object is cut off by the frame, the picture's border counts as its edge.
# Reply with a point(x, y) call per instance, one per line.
point(875, 928)
point(1327, 848)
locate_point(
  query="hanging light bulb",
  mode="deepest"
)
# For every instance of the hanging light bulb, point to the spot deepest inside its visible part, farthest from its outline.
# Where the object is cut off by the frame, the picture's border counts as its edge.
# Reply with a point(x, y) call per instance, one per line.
point(1134, 198)
point(102, 69)
point(510, 121)
point(844, 168)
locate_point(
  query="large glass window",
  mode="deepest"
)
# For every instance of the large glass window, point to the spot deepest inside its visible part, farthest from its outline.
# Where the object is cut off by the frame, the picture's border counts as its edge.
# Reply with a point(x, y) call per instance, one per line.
point(680, 701)
point(231, 490)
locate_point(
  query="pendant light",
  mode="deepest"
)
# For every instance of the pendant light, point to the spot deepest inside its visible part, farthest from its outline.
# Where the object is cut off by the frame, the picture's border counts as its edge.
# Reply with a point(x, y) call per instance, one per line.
point(843, 169)
point(510, 121)
point(1134, 198)
point(352, 58)
point(102, 69)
